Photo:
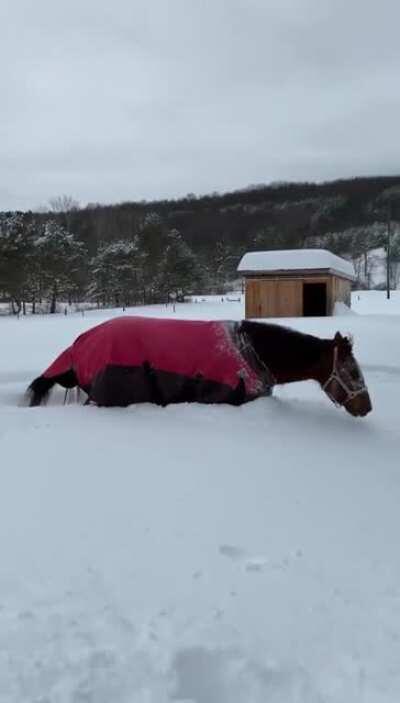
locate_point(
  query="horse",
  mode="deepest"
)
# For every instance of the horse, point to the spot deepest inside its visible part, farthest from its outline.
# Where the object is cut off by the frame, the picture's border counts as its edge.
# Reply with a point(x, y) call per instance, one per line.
point(135, 359)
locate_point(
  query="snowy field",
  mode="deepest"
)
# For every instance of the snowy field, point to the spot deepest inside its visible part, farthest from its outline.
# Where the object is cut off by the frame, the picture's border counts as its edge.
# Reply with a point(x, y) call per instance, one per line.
point(201, 554)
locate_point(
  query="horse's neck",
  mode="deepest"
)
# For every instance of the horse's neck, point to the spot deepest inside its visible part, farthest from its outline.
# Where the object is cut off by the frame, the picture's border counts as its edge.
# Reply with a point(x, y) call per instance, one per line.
point(290, 356)
point(291, 375)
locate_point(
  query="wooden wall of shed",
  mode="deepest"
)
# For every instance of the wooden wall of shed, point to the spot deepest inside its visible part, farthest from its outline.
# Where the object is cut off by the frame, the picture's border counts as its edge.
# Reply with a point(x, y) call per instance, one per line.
point(276, 297)
point(283, 297)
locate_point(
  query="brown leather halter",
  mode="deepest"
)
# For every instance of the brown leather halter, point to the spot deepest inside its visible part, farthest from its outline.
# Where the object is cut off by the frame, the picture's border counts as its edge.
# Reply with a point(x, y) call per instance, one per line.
point(351, 387)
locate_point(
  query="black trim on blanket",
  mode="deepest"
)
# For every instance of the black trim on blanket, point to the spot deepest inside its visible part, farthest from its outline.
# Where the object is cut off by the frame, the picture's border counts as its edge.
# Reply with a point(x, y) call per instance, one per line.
point(124, 385)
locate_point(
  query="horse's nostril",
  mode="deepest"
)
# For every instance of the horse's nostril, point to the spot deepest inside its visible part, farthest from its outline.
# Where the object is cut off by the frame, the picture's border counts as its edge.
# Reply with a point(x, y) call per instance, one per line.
point(359, 406)
point(365, 407)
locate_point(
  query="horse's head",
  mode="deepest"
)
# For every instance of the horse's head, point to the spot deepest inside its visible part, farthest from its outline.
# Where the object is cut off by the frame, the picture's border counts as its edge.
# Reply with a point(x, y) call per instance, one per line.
point(342, 379)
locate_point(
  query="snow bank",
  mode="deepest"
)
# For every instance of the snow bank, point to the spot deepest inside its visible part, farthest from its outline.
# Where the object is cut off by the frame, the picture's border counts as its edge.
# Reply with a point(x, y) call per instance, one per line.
point(342, 309)
point(374, 302)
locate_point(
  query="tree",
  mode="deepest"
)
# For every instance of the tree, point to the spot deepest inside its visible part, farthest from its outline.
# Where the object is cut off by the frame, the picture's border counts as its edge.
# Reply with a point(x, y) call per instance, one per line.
point(16, 240)
point(221, 266)
point(388, 203)
point(60, 259)
point(180, 272)
point(117, 273)
point(65, 206)
point(152, 243)
point(63, 203)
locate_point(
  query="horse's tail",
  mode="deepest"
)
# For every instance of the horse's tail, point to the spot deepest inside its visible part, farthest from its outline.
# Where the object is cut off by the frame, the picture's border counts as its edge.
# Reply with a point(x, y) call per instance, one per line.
point(39, 390)
point(61, 371)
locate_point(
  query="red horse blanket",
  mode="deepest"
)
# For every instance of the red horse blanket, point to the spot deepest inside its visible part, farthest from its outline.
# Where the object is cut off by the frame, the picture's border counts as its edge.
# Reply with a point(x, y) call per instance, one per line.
point(137, 359)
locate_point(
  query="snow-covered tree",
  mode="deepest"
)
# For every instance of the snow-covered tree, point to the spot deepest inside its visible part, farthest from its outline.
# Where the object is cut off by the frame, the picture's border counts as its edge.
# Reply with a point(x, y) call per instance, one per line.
point(60, 258)
point(152, 243)
point(221, 266)
point(16, 239)
point(180, 272)
point(117, 273)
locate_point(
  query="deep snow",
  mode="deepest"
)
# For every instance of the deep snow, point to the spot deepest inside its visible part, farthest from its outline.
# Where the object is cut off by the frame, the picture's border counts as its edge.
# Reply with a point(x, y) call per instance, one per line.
point(195, 553)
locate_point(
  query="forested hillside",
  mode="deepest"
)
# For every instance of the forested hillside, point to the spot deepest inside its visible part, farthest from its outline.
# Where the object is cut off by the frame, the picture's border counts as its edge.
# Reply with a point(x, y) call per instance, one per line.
point(154, 251)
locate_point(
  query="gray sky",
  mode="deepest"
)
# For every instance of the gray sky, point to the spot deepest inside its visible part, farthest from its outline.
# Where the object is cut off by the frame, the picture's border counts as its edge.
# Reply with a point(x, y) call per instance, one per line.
point(129, 99)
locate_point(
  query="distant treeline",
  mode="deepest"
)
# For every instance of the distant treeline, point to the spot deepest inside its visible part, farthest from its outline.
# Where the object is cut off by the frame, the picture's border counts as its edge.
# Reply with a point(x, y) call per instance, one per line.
point(161, 250)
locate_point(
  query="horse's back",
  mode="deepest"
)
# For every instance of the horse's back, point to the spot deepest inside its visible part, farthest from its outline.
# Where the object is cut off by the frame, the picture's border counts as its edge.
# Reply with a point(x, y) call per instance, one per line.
point(140, 359)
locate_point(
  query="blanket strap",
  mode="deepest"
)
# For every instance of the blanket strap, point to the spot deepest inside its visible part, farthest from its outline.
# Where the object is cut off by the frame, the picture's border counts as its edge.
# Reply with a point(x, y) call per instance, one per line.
point(246, 348)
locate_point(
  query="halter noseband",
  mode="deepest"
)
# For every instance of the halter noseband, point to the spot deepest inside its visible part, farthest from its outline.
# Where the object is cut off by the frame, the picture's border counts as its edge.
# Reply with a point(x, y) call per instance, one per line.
point(335, 376)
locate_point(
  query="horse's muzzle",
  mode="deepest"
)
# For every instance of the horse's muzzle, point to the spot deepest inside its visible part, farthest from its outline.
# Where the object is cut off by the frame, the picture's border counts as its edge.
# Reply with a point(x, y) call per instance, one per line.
point(359, 406)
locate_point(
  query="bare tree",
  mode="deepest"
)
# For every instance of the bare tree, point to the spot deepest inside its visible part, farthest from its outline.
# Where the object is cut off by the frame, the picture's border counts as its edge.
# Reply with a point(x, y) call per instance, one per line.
point(64, 206)
point(63, 203)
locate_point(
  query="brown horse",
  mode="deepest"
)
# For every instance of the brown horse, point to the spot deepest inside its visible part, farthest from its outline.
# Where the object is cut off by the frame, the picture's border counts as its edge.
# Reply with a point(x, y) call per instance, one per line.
point(134, 359)
point(293, 356)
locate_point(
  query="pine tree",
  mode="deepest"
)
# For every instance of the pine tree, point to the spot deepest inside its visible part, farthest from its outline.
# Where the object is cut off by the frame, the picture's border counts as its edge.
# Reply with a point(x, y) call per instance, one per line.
point(117, 273)
point(16, 240)
point(180, 273)
point(152, 243)
point(61, 259)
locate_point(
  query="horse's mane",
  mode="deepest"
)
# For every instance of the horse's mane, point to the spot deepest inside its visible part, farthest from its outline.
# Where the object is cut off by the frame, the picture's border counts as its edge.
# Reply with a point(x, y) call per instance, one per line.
point(280, 345)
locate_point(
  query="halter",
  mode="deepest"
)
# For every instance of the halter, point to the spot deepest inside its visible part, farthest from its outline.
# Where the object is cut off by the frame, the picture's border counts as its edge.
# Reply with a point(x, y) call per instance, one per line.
point(335, 376)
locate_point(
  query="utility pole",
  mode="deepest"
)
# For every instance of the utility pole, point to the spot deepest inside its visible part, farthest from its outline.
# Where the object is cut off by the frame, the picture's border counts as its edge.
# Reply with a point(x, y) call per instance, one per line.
point(389, 232)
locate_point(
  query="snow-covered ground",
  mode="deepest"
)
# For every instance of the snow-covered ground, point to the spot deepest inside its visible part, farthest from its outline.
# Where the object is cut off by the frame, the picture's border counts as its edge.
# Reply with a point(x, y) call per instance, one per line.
point(201, 554)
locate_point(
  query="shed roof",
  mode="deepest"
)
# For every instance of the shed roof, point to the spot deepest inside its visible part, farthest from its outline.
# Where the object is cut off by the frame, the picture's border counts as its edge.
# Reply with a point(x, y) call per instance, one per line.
point(295, 260)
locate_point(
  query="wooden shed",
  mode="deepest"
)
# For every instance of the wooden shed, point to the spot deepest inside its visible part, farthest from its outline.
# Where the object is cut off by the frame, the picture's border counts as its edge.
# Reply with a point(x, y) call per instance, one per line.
point(295, 283)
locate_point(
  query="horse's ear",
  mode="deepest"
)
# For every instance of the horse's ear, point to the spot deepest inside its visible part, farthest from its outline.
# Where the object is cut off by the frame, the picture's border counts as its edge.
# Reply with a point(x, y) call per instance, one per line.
point(338, 338)
point(350, 340)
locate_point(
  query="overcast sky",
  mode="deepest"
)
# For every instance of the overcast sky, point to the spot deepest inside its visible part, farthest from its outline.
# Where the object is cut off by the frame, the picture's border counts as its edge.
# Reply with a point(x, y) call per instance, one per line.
point(125, 100)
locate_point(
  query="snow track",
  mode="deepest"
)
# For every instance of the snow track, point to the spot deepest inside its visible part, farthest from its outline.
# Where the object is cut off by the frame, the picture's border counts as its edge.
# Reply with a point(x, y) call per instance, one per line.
point(200, 554)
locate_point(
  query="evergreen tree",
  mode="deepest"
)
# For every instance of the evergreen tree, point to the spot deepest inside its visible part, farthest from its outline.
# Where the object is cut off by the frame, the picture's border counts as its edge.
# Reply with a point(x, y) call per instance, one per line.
point(152, 244)
point(61, 259)
point(117, 273)
point(180, 273)
point(221, 266)
point(16, 239)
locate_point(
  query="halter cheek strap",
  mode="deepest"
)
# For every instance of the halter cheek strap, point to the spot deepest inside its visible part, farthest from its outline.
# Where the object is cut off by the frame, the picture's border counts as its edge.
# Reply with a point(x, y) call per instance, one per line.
point(335, 376)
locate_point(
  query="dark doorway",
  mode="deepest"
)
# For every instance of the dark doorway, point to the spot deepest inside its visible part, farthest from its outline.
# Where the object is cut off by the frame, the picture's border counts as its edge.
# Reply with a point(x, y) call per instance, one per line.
point(314, 299)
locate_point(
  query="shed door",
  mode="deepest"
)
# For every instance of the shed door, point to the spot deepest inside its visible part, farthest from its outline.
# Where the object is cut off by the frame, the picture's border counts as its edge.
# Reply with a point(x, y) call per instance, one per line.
point(314, 300)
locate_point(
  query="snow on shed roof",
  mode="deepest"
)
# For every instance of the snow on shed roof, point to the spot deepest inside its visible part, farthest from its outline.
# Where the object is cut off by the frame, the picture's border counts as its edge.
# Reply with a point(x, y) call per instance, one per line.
point(295, 260)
